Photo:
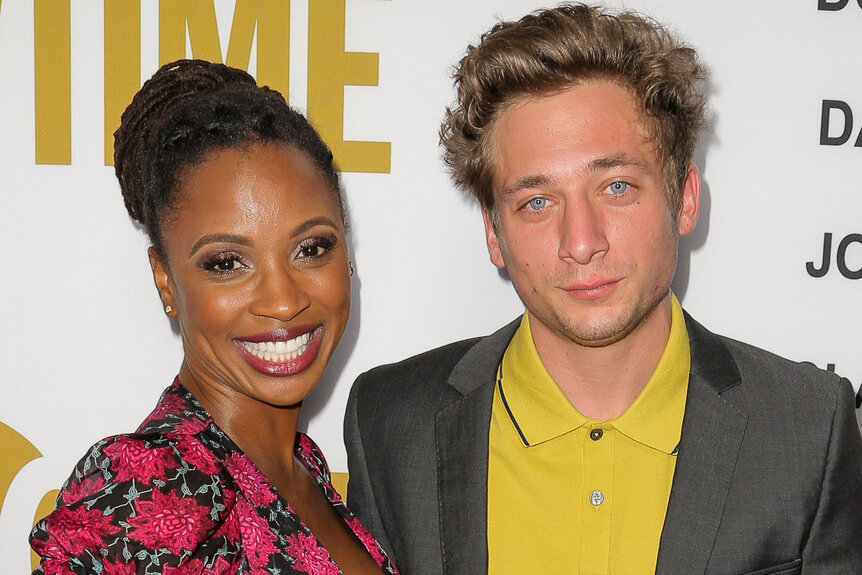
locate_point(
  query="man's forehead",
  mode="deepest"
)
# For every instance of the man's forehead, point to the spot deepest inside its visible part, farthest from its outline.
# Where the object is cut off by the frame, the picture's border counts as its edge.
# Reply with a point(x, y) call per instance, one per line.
point(577, 102)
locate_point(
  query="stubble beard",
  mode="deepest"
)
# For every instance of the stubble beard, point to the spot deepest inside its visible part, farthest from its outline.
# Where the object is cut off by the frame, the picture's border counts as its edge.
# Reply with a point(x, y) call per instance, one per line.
point(600, 331)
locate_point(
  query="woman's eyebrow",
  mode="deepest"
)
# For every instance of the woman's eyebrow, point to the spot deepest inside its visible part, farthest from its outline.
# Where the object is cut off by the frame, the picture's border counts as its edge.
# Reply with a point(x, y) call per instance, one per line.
point(214, 238)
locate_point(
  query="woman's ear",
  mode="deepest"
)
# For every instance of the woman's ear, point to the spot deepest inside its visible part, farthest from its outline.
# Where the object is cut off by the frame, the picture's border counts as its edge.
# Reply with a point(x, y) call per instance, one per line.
point(162, 279)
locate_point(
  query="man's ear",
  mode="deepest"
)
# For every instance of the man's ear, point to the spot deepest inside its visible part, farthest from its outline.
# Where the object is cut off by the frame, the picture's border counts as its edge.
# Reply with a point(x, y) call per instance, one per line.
point(164, 284)
point(690, 204)
point(492, 239)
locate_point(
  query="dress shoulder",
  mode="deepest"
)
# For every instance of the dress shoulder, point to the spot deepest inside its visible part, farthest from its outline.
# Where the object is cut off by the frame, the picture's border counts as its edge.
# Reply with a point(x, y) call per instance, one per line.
point(142, 502)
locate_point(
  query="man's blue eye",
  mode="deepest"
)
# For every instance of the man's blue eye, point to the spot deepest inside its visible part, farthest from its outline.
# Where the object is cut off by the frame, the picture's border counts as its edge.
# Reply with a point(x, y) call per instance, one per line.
point(618, 187)
point(537, 203)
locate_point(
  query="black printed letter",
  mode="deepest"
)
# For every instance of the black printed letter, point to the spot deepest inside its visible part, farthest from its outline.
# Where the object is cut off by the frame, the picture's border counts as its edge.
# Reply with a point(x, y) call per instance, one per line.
point(824, 267)
point(842, 263)
point(828, 106)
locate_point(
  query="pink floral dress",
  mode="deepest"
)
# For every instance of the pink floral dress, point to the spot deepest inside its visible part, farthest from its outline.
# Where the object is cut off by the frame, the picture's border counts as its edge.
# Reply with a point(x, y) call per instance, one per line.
point(179, 497)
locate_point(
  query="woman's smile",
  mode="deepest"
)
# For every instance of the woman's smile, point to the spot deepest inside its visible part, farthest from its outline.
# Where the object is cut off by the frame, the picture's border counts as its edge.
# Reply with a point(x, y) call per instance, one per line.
point(278, 354)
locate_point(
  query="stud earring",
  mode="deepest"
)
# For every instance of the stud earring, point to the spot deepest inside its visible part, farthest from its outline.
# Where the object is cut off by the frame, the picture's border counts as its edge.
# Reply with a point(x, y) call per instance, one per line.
point(168, 309)
point(351, 267)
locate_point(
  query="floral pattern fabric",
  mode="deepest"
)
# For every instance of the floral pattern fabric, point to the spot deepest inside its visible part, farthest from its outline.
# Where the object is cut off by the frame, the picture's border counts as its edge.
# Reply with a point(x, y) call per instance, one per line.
point(178, 497)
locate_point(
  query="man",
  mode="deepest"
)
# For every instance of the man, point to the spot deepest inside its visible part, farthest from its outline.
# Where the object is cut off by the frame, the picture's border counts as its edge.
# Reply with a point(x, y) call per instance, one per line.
point(605, 431)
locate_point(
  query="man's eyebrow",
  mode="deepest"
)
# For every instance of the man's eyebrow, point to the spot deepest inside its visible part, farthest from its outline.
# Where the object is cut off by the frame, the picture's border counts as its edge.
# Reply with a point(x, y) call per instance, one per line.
point(527, 182)
point(609, 162)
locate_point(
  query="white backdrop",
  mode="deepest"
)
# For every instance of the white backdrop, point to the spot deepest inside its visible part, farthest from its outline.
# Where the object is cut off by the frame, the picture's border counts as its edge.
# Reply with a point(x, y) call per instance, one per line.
point(86, 349)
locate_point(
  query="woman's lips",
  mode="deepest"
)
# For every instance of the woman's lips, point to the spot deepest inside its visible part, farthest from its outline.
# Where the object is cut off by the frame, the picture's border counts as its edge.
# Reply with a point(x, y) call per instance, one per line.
point(282, 352)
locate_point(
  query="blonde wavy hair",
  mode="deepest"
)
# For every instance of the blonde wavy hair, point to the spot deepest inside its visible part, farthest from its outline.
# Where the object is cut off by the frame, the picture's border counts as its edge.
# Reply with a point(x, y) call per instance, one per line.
point(551, 49)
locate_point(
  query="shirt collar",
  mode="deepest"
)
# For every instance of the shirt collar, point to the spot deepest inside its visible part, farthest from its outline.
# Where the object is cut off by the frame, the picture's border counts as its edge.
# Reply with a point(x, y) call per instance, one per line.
point(537, 407)
point(541, 412)
point(655, 417)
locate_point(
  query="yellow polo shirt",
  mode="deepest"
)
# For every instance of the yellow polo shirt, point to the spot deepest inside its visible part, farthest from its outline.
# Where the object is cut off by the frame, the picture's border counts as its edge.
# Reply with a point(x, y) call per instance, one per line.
point(569, 494)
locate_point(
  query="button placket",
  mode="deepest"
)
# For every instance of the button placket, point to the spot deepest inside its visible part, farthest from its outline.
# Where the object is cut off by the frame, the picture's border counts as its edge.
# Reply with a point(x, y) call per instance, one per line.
point(598, 452)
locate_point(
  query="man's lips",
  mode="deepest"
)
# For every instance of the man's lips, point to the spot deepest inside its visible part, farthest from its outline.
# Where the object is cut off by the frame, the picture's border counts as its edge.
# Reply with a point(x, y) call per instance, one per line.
point(281, 352)
point(591, 289)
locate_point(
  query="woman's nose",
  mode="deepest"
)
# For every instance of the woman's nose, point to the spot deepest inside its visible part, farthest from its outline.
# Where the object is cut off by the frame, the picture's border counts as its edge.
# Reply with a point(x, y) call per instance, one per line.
point(279, 293)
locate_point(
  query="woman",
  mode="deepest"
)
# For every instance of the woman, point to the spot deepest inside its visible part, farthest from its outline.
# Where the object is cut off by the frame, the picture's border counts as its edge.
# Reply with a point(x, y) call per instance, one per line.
point(243, 208)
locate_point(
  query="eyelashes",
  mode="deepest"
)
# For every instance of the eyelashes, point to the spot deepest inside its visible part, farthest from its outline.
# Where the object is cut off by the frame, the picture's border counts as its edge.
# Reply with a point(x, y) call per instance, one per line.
point(222, 263)
point(316, 247)
point(309, 250)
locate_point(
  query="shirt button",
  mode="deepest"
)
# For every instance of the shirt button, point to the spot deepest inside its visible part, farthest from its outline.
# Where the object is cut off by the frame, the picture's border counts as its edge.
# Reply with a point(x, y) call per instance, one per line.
point(596, 434)
point(597, 497)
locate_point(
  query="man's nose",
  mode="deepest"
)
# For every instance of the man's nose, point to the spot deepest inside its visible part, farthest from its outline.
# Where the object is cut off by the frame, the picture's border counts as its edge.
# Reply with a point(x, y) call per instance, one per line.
point(582, 232)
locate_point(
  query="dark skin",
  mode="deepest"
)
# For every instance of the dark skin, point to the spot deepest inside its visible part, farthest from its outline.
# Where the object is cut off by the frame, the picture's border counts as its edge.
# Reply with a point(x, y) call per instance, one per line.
point(255, 250)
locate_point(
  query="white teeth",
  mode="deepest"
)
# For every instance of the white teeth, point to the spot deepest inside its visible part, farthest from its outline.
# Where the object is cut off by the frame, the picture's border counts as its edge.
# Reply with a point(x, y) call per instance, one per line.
point(278, 351)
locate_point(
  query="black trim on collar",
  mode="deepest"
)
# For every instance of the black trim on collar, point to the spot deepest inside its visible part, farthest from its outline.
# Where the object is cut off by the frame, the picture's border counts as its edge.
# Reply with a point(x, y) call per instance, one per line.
point(506, 405)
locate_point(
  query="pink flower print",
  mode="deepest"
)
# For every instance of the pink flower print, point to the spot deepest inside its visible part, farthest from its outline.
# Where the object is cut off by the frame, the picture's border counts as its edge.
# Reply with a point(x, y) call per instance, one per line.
point(306, 447)
point(196, 455)
point(334, 495)
point(118, 568)
point(196, 567)
point(132, 459)
point(310, 451)
point(56, 567)
point(79, 529)
point(89, 485)
point(309, 556)
point(169, 405)
point(191, 426)
point(47, 549)
point(367, 539)
point(250, 480)
point(257, 537)
point(229, 528)
point(221, 566)
point(170, 522)
point(193, 566)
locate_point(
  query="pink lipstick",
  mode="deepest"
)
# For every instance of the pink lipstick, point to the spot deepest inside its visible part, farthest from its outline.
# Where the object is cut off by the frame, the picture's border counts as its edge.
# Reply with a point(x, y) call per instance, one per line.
point(281, 352)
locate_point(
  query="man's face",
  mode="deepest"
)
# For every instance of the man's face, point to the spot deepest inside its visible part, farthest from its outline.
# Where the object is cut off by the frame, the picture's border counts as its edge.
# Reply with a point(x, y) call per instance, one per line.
point(583, 226)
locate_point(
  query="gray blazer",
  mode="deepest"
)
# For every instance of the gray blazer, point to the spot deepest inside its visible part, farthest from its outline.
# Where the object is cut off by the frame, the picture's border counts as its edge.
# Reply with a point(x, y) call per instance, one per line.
point(768, 477)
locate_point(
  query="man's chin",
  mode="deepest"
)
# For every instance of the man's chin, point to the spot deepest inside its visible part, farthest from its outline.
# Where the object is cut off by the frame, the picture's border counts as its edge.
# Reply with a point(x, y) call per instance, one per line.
point(598, 337)
point(602, 330)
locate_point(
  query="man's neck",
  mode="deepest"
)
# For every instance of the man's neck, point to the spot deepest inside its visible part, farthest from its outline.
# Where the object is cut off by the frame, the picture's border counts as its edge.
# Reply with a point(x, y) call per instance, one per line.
point(602, 382)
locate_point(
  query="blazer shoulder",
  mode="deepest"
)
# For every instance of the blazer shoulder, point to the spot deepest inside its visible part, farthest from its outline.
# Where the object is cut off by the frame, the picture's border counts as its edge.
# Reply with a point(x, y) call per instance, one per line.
point(754, 378)
point(437, 362)
point(768, 366)
point(461, 367)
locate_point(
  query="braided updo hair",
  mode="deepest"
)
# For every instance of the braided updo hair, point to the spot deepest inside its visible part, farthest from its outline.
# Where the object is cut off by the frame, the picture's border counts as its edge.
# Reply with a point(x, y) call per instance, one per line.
point(187, 109)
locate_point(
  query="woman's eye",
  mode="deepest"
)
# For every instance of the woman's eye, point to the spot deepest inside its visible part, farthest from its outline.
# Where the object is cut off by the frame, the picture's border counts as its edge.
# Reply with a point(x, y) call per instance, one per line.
point(618, 188)
point(537, 204)
point(311, 251)
point(315, 247)
point(223, 264)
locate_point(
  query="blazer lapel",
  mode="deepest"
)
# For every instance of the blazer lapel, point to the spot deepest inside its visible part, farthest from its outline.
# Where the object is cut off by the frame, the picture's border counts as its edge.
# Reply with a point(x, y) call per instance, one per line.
point(462, 426)
point(712, 432)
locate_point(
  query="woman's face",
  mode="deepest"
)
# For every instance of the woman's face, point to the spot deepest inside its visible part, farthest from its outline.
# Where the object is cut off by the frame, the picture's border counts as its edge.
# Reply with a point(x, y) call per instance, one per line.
point(256, 273)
